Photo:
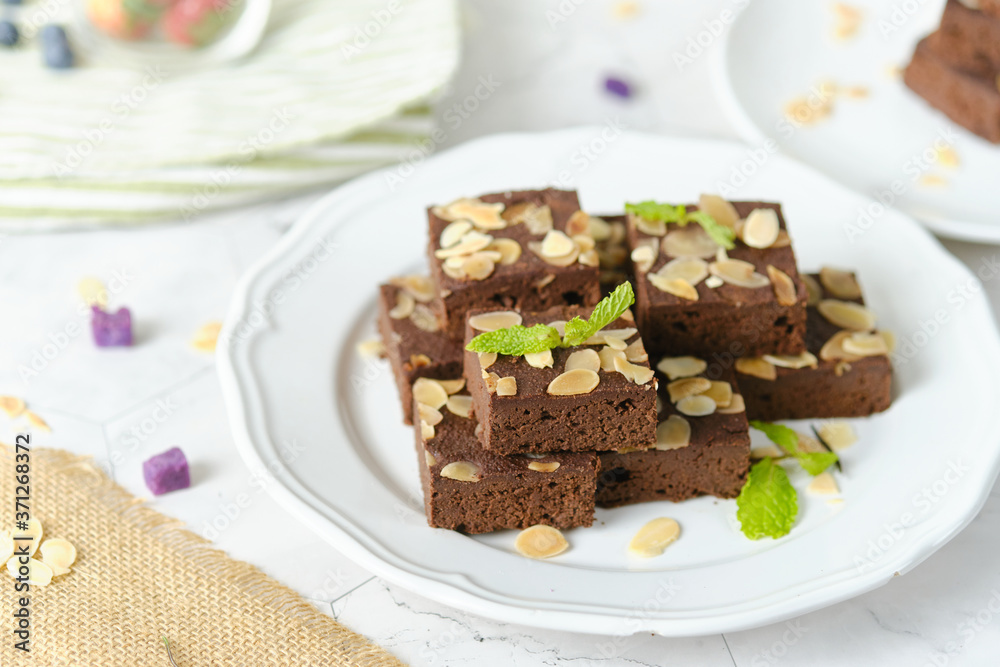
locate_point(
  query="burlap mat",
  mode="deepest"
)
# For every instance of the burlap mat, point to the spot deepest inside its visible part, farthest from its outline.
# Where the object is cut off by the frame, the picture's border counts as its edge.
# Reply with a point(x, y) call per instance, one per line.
point(139, 576)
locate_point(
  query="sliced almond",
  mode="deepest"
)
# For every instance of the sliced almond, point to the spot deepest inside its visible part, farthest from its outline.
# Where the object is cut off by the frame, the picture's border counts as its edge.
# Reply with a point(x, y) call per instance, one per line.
point(559, 326)
point(673, 432)
point(756, 367)
point(628, 316)
point(644, 256)
point(38, 573)
point(58, 554)
point(460, 406)
point(783, 240)
point(838, 434)
point(636, 352)
point(600, 230)
point(540, 359)
point(556, 244)
point(865, 344)
point(679, 287)
point(374, 348)
point(768, 451)
point(538, 219)
point(478, 266)
point(690, 269)
point(429, 415)
point(681, 367)
point(404, 306)
point(479, 213)
point(499, 319)
point(426, 431)
point(491, 380)
point(454, 232)
point(587, 358)
point(739, 273)
point(622, 334)
point(840, 284)
point(890, 340)
point(784, 288)
point(720, 209)
point(430, 459)
point(690, 241)
point(650, 227)
point(823, 484)
point(561, 261)
point(455, 272)
point(841, 368)
point(803, 360)
point(487, 359)
point(721, 393)
point(429, 392)
point(610, 341)
point(33, 531)
point(93, 292)
point(608, 356)
point(736, 406)
point(544, 466)
point(12, 405)
point(696, 406)
point(679, 389)
point(653, 538)
point(713, 282)
point(574, 382)
point(634, 372)
point(507, 386)
point(833, 349)
point(814, 290)
point(589, 258)
point(452, 386)
point(462, 471)
point(578, 223)
point(847, 314)
point(470, 242)
point(425, 319)
point(540, 542)
point(761, 228)
point(509, 249)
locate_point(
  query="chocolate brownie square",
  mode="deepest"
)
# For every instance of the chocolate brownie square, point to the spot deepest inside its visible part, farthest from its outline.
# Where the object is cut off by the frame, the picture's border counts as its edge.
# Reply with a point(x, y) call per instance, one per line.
point(474, 491)
point(690, 302)
point(411, 334)
point(829, 380)
point(972, 101)
point(989, 7)
point(702, 445)
point(600, 395)
point(528, 250)
point(968, 40)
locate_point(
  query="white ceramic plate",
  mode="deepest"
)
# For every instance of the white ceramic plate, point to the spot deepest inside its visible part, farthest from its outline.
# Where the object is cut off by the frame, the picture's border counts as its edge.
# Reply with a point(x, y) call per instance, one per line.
point(327, 423)
point(776, 51)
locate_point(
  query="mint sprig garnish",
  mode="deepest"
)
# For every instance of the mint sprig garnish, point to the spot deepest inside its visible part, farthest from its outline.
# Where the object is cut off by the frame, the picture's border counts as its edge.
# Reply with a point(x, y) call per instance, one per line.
point(812, 462)
point(767, 504)
point(518, 340)
point(667, 213)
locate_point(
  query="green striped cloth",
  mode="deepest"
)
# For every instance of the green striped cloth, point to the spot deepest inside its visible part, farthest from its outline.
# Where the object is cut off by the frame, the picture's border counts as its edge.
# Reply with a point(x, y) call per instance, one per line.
point(334, 89)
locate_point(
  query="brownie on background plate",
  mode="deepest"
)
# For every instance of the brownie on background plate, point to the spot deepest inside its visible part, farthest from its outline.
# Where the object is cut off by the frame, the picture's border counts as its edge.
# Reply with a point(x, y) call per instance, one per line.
point(844, 373)
point(411, 334)
point(471, 490)
point(968, 40)
point(695, 297)
point(702, 441)
point(530, 250)
point(598, 395)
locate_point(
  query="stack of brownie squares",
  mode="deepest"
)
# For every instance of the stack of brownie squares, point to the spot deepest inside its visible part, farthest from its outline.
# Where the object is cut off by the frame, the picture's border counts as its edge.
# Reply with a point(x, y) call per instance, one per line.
point(957, 68)
point(654, 405)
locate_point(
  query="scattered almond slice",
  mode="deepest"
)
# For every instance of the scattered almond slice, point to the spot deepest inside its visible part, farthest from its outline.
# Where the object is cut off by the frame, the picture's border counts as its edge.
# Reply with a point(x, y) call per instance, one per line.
point(578, 225)
point(452, 386)
point(453, 233)
point(673, 432)
point(739, 273)
point(540, 542)
point(696, 406)
point(419, 287)
point(679, 287)
point(847, 314)
point(634, 372)
point(556, 244)
point(803, 360)
point(429, 392)
point(865, 344)
point(426, 431)
point(428, 415)
point(507, 386)
point(838, 434)
point(430, 459)
point(681, 367)
point(813, 289)
point(823, 484)
point(93, 292)
point(58, 554)
point(847, 20)
point(841, 284)
point(766, 451)
point(713, 282)
point(653, 538)
point(679, 389)
point(34, 531)
point(39, 574)
point(509, 249)
point(833, 349)
point(644, 256)
point(691, 270)
point(470, 242)
point(13, 406)
point(756, 367)
point(721, 393)
point(487, 359)
point(608, 356)
point(540, 359)
point(373, 348)
point(933, 181)
point(206, 338)
point(761, 228)
point(500, 319)
point(690, 241)
point(424, 319)
point(946, 155)
point(587, 358)
point(491, 380)
point(720, 209)
point(544, 466)
point(479, 266)
point(538, 219)
point(460, 405)
point(37, 421)
point(404, 306)
point(784, 287)
point(636, 352)
point(610, 341)
point(461, 471)
point(575, 382)
point(478, 212)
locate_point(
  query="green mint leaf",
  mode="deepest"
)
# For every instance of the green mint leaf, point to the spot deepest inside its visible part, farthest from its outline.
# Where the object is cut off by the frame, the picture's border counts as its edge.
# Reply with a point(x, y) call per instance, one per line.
point(516, 340)
point(812, 462)
point(767, 504)
point(656, 212)
point(605, 312)
point(722, 235)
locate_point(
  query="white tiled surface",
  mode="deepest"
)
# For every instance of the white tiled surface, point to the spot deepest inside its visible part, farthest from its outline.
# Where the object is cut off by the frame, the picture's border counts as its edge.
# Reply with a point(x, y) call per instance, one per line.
point(121, 406)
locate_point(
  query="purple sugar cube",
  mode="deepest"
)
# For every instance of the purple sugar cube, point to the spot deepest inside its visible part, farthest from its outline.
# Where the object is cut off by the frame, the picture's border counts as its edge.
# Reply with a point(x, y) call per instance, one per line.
point(618, 87)
point(111, 329)
point(167, 472)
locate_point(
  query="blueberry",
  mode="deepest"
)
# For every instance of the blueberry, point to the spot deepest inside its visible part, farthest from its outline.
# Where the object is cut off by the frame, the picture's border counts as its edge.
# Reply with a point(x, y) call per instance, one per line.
point(55, 47)
point(8, 33)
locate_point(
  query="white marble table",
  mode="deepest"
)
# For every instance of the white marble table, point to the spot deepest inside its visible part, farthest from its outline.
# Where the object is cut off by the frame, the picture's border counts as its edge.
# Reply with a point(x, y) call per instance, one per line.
point(123, 406)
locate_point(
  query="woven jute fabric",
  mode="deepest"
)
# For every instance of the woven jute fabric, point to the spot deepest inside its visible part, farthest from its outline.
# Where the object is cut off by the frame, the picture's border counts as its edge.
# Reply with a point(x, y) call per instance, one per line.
point(140, 576)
